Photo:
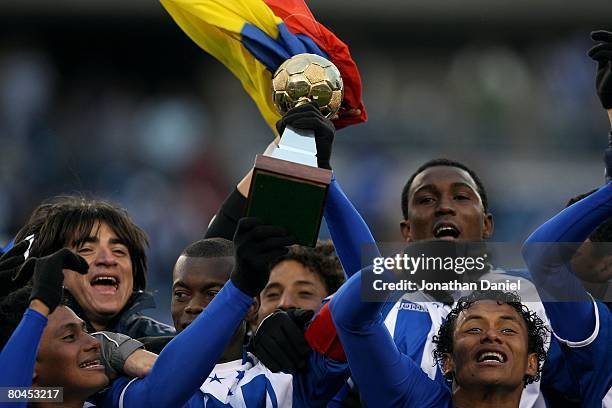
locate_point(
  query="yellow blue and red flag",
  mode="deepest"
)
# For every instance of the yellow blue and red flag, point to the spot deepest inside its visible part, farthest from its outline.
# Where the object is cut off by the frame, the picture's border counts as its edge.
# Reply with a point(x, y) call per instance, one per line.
point(252, 38)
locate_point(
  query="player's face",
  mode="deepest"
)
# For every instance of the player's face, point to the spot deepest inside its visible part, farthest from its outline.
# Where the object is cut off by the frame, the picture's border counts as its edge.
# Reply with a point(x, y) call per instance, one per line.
point(108, 284)
point(196, 281)
point(291, 285)
point(443, 203)
point(490, 347)
point(69, 357)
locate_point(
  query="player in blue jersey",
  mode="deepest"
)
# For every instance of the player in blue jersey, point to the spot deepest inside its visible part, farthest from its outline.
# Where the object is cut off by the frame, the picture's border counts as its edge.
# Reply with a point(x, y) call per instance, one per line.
point(490, 346)
point(443, 199)
point(199, 273)
point(461, 214)
point(586, 337)
point(186, 362)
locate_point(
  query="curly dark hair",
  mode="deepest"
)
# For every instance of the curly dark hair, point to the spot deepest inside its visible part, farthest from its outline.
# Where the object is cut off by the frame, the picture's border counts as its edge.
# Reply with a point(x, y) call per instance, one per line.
point(537, 333)
point(321, 260)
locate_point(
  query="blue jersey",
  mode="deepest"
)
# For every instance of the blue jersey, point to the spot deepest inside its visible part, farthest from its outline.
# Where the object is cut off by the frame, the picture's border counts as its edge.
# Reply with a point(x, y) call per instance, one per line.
point(387, 377)
point(417, 317)
point(186, 373)
point(585, 338)
point(414, 319)
point(20, 351)
point(243, 383)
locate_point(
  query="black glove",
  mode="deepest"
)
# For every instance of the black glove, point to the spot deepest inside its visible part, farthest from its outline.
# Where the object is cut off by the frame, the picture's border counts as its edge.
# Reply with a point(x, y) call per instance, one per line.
point(9, 265)
point(256, 245)
point(308, 116)
point(49, 277)
point(279, 341)
point(602, 53)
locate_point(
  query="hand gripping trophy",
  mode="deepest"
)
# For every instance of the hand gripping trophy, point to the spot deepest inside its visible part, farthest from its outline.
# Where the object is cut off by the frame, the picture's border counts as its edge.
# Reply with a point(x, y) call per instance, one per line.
point(287, 188)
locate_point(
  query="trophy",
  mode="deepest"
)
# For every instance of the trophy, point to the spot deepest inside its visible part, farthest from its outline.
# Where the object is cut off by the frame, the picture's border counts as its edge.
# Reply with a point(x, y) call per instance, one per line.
point(287, 187)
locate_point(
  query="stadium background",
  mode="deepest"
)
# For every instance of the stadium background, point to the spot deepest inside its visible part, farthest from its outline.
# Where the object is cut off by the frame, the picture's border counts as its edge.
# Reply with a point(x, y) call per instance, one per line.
point(110, 98)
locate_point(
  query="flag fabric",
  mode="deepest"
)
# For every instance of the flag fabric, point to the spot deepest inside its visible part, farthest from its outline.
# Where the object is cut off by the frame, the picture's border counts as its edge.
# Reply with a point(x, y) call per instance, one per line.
point(252, 38)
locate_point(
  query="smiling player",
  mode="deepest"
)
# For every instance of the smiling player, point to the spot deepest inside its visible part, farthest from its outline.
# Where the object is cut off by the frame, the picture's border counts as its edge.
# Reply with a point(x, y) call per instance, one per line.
point(490, 346)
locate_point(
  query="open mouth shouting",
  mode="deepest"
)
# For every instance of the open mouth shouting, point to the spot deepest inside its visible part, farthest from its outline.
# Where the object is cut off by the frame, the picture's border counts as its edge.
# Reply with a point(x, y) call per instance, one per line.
point(446, 230)
point(105, 284)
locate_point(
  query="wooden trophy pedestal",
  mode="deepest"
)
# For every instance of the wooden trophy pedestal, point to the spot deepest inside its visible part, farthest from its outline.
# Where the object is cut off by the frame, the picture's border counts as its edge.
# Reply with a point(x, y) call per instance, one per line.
point(289, 194)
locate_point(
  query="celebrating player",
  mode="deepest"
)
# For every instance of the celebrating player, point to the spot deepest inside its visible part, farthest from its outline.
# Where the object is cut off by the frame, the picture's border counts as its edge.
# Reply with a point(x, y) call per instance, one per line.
point(196, 350)
point(490, 346)
point(585, 339)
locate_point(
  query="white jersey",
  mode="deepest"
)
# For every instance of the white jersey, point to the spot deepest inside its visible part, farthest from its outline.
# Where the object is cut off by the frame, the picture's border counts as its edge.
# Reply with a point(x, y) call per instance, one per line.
point(247, 383)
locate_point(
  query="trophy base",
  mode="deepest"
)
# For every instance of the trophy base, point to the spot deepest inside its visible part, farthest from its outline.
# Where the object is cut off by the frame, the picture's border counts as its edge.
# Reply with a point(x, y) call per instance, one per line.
point(289, 194)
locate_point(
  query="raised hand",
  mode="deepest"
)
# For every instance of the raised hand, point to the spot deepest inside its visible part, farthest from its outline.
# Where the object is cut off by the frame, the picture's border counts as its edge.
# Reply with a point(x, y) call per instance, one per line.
point(308, 116)
point(10, 263)
point(48, 275)
point(602, 53)
point(256, 246)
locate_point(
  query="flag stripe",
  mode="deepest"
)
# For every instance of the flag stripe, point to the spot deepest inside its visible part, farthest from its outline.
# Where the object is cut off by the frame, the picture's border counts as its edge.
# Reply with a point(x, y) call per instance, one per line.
point(252, 38)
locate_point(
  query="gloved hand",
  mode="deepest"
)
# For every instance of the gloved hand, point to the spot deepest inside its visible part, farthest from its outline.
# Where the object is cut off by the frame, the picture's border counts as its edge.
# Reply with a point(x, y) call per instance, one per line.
point(602, 53)
point(308, 116)
point(9, 266)
point(279, 341)
point(115, 349)
point(49, 277)
point(256, 245)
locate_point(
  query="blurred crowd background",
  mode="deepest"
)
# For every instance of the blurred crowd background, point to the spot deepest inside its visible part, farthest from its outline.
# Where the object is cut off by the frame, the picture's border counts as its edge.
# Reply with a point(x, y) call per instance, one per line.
point(110, 99)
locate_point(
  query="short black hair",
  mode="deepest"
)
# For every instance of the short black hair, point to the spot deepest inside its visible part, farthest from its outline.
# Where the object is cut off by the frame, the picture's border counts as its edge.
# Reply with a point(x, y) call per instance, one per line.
point(321, 259)
point(450, 163)
point(209, 248)
point(537, 333)
point(68, 220)
point(603, 232)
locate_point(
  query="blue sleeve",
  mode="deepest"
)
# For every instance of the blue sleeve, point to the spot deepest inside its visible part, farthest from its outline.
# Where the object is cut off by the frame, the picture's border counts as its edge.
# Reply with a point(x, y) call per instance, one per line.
point(591, 362)
point(349, 232)
point(385, 377)
point(188, 359)
point(18, 356)
point(321, 381)
point(550, 266)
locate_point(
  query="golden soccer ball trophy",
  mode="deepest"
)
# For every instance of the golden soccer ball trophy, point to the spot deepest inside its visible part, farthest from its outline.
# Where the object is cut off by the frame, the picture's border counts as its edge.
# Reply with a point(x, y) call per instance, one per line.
point(307, 78)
